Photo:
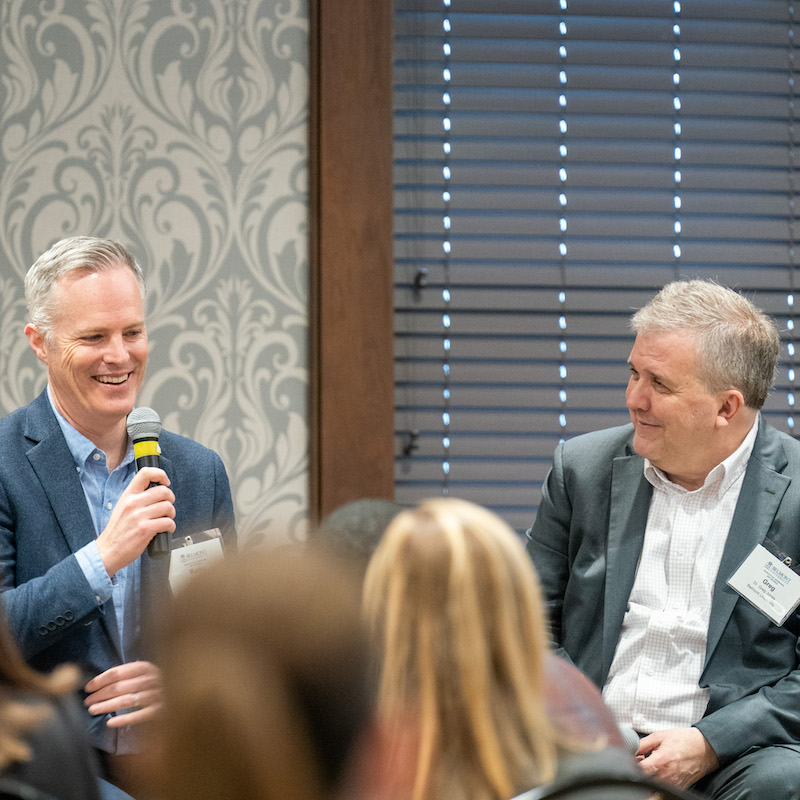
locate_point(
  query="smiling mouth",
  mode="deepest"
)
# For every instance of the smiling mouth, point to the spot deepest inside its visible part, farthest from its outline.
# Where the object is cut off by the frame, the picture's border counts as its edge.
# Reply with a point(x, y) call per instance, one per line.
point(110, 379)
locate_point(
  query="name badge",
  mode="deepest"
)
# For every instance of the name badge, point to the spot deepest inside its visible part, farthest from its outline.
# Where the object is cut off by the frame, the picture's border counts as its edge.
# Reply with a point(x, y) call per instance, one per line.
point(768, 579)
point(193, 557)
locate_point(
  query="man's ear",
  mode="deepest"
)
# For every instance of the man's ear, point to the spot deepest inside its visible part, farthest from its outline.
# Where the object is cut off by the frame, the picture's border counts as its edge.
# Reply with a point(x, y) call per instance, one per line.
point(731, 403)
point(37, 341)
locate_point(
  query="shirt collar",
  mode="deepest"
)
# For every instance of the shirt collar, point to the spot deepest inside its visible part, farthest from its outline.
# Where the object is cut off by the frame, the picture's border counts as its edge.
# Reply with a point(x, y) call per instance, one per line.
point(723, 476)
point(80, 447)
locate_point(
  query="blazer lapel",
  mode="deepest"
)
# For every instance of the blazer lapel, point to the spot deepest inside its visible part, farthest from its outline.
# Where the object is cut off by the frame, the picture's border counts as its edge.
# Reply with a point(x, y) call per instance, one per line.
point(54, 466)
point(630, 504)
point(762, 491)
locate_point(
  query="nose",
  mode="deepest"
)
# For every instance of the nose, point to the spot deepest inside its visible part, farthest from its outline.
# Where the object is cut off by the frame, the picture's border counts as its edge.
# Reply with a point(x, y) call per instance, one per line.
point(116, 352)
point(636, 395)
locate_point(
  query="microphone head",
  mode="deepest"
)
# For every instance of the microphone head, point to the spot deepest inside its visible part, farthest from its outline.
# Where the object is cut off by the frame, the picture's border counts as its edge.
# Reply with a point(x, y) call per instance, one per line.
point(143, 423)
point(630, 740)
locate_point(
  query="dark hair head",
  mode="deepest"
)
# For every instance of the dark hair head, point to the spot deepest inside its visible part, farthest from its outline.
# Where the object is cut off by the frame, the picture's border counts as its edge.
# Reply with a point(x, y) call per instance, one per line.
point(354, 529)
point(265, 670)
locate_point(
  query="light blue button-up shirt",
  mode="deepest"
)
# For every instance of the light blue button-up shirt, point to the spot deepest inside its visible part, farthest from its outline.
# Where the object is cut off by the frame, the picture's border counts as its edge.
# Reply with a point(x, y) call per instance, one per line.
point(102, 490)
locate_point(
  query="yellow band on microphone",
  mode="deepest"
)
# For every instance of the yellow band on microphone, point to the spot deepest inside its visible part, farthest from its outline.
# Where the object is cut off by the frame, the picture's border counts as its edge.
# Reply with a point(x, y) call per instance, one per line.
point(146, 447)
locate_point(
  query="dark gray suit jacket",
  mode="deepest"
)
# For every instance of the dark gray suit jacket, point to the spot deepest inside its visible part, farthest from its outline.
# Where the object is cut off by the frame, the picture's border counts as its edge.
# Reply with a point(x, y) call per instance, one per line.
point(586, 542)
point(44, 520)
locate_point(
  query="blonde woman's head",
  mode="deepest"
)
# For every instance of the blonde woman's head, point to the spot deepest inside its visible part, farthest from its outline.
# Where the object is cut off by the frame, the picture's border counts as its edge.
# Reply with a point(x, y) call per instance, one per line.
point(453, 604)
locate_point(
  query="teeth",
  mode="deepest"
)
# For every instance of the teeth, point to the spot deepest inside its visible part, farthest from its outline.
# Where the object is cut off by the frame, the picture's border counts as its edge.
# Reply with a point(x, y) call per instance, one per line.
point(109, 379)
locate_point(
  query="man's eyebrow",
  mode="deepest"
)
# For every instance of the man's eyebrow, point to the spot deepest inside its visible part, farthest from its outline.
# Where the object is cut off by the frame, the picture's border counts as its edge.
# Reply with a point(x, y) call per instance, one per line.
point(654, 376)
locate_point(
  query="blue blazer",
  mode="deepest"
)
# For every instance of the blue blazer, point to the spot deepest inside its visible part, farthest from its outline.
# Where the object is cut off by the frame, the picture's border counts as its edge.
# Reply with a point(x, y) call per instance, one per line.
point(44, 519)
point(586, 542)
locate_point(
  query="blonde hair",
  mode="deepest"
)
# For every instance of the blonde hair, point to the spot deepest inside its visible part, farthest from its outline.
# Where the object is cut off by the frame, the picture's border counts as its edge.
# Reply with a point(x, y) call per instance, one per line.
point(453, 604)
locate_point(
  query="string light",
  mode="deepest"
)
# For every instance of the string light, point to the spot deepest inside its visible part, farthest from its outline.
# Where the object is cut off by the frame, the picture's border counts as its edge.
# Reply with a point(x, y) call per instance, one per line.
point(563, 174)
point(790, 348)
point(677, 130)
point(446, 248)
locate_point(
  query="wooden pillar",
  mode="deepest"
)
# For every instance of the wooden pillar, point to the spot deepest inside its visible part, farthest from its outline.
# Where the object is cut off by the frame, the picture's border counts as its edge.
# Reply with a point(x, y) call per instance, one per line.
point(351, 328)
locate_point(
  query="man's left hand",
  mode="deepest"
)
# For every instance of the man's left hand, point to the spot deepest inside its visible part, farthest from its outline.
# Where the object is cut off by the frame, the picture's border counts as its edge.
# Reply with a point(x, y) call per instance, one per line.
point(679, 756)
point(133, 688)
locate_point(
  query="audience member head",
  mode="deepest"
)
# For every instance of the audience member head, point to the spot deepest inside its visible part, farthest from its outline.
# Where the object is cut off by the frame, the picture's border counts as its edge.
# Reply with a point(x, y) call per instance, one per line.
point(737, 344)
point(86, 253)
point(354, 529)
point(265, 670)
point(454, 607)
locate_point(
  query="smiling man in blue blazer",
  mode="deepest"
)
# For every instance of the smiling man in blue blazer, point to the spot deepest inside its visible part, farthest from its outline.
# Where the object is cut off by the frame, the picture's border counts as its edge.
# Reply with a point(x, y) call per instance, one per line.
point(75, 516)
point(641, 528)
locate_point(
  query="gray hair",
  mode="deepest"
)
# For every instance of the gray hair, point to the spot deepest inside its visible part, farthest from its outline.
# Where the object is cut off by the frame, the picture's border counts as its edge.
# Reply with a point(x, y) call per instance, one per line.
point(737, 343)
point(86, 253)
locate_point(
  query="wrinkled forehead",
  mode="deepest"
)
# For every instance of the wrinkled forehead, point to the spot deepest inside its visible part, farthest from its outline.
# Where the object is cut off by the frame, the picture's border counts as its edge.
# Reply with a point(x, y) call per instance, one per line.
point(113, 293)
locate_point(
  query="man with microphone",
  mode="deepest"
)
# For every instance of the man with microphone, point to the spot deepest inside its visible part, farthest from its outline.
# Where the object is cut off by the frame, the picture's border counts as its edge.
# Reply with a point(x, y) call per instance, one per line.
point(76, 517)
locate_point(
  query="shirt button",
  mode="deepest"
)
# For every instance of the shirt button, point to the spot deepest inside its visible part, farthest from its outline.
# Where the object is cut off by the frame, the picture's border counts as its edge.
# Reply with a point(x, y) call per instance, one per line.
point(109, 505)
point(96, 456)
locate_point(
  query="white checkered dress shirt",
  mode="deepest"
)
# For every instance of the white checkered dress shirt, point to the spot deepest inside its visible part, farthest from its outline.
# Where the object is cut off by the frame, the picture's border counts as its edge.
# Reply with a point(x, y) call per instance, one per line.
point(653, 683)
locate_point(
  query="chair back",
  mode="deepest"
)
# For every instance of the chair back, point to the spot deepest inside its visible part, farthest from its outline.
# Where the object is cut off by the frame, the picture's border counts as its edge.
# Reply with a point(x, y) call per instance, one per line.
point(594, 785)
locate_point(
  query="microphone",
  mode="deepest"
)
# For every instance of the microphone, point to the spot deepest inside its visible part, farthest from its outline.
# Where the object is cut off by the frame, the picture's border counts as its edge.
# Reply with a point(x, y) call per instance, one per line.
point(144, 427)
point(630, 740)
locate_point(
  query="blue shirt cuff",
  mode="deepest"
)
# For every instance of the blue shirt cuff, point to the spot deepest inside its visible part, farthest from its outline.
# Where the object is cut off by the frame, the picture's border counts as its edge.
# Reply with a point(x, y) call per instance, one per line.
point(93, 568)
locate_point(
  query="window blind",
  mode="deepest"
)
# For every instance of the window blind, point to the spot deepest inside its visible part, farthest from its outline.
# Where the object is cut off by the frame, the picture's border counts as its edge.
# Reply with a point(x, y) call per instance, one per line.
point(592, 151)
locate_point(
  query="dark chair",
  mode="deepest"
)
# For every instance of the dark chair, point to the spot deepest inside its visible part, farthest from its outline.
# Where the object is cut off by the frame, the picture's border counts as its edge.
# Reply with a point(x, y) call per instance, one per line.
point(594, 784)
point(12, 789)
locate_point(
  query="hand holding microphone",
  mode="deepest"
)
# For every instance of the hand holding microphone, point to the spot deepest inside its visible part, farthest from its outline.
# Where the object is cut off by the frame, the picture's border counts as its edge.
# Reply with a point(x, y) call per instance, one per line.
point(144, 428)
point(143, 510)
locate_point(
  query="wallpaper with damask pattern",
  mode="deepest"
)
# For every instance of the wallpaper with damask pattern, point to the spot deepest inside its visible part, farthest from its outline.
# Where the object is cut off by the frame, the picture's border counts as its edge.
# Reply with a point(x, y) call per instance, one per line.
point(177, 127)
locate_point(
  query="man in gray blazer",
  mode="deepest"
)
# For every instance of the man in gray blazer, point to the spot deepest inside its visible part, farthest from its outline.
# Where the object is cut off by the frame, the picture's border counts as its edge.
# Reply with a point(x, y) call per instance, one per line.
point(641, 528)
point(75, 515)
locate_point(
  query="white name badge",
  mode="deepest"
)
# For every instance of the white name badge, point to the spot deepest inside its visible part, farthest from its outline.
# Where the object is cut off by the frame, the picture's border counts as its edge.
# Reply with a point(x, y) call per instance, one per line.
point(192, 558)
point(769, 582)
